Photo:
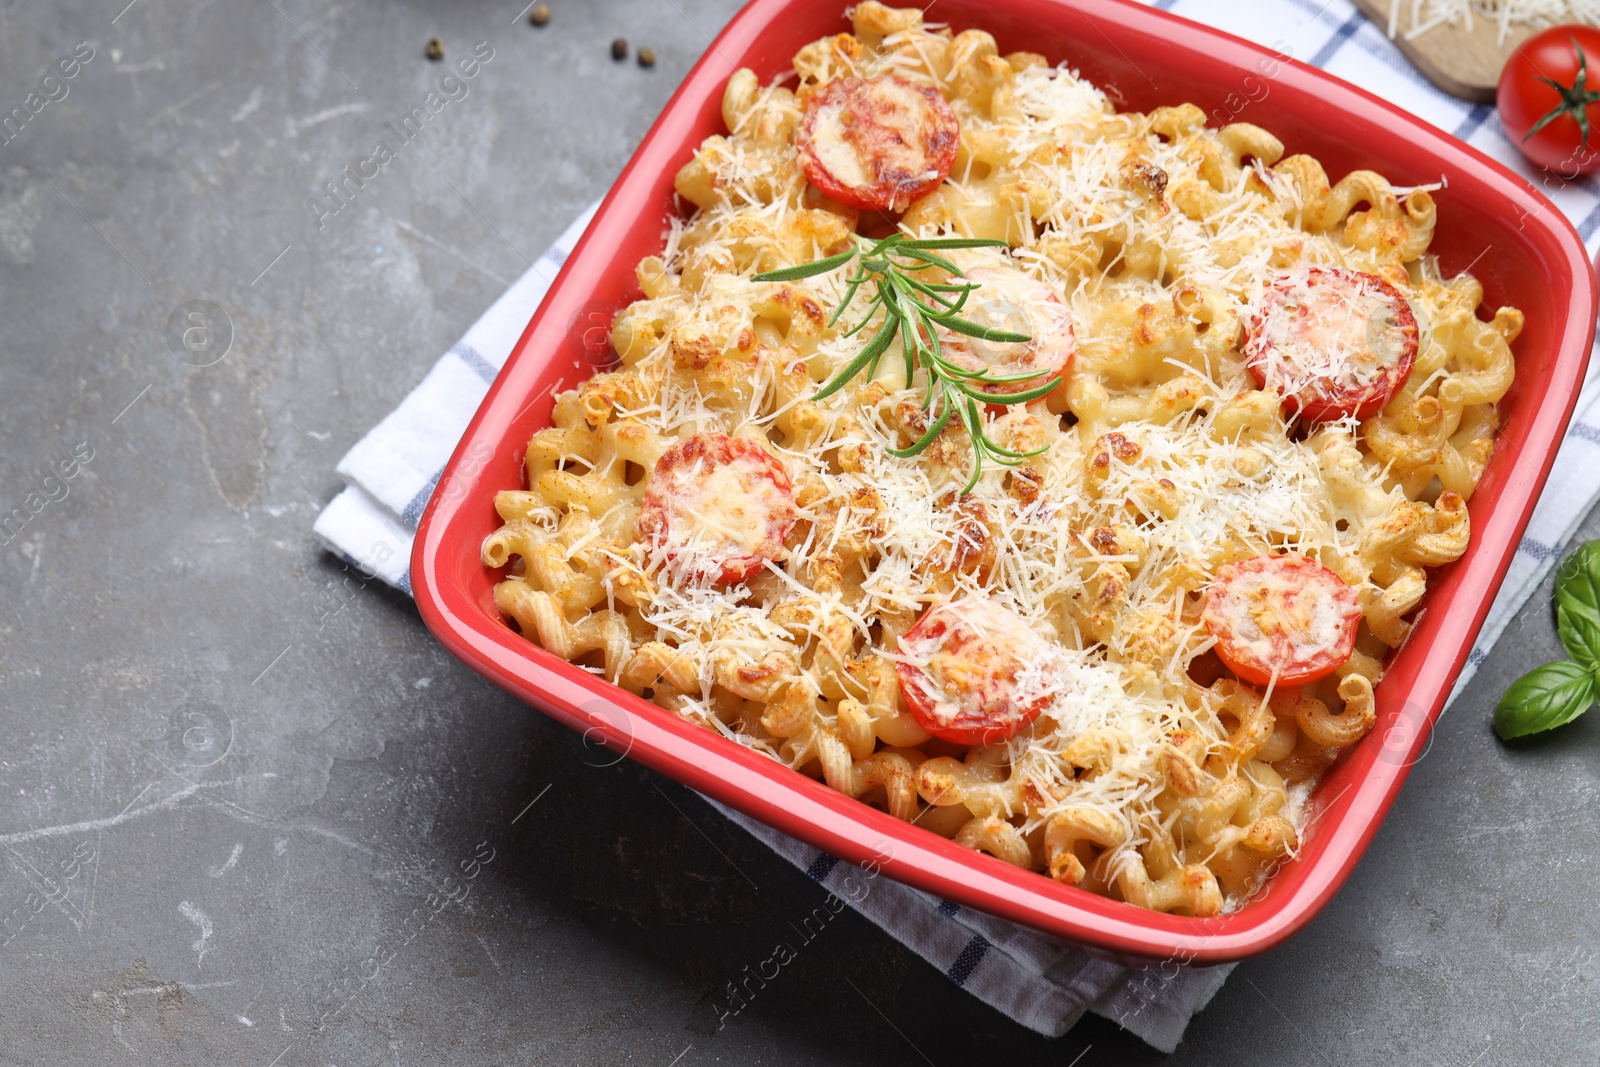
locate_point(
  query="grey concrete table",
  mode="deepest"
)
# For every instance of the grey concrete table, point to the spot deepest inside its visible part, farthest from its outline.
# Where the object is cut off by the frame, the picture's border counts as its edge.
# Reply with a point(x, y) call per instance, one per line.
point(234, 782)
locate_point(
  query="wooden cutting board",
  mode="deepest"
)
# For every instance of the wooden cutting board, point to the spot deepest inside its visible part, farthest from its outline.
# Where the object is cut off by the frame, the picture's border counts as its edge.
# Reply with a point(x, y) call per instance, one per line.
point(1463, 62)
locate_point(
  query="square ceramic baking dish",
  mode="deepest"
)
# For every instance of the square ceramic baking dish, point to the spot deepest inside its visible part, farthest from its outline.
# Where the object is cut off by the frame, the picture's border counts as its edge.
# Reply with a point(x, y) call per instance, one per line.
point(1521, 248)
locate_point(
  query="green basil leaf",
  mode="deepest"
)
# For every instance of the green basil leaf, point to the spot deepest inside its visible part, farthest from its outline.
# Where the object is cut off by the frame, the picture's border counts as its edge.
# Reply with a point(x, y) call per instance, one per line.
point(1580, 634)
point(1544, 698)
point(1578, 604)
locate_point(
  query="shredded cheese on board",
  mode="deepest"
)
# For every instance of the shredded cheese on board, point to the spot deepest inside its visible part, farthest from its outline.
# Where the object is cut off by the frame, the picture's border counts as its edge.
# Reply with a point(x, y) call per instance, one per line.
point(1505, 15)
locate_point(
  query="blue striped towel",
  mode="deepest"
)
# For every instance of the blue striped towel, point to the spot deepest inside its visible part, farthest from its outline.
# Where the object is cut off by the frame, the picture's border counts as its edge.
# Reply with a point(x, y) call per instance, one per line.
point(1041, 983)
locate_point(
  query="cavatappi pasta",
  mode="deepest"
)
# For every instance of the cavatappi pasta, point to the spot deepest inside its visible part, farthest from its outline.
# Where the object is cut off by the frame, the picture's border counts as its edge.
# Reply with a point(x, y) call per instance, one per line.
point(700, 530)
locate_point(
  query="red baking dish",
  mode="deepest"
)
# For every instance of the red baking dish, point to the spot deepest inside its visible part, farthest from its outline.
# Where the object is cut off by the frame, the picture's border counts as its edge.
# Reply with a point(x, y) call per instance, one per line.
point(1522, 249)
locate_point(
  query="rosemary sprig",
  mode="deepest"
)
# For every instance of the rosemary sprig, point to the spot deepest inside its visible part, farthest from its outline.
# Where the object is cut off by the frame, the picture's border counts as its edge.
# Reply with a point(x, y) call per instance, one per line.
point(913, 308)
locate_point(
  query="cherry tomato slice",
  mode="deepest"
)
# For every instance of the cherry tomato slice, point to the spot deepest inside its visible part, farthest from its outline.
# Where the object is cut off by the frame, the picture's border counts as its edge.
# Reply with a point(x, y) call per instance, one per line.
point(1007, 299)
point(718, 506)
point(1335, 342)
point(1285, 620)
point(973, 672)
point(877, 143)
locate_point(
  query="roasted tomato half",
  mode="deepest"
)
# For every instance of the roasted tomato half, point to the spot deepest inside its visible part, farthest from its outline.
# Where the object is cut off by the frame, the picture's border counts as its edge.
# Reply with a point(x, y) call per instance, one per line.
point(877, 143)
point(975, 673)
point(1333, 341)
point(1283, 620)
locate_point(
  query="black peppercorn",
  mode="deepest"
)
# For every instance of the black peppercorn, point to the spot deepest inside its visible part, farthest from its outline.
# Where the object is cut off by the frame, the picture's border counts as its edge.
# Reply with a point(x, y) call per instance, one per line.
point(539, 15)
point(619, 48)
point(435, 49)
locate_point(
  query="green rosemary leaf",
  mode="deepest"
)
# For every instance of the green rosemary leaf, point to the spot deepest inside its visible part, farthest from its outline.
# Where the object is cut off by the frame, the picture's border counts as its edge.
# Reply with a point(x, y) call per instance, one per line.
point(986, 376)
point(974, 424)
point(907, 305)
point(1003, 454)
point(928, 259)
point(1020, 397)
point(849, 295)
point(872, 368)
point(935, 428)
point(989, 377)
point(909, 345)
point(914, 309)
point(806, 270)
point(958, 242)
point(1020, 376)
point(877, 302)
point(947, 306)
point(961, 301)
point(984, 333)
point(872, 350)
point(935, 347)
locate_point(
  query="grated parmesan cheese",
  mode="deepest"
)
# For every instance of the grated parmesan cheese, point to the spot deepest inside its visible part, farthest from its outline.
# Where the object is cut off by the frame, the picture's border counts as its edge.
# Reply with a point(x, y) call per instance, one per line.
point(1505, 15)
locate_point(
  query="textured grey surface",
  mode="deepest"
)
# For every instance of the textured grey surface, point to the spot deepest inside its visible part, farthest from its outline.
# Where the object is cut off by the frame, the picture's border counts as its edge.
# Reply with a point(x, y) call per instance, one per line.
point(234, 783)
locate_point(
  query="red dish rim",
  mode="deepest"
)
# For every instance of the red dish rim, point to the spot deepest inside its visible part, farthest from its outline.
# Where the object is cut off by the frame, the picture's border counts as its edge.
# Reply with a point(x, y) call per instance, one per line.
point(1537, 259)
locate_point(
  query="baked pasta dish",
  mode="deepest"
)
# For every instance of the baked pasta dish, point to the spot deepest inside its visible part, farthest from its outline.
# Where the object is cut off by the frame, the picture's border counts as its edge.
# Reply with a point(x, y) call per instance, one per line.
point(1083, 540)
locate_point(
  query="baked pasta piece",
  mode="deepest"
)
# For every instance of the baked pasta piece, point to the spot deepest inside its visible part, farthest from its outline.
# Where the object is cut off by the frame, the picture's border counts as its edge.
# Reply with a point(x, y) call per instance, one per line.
point(1124, 655)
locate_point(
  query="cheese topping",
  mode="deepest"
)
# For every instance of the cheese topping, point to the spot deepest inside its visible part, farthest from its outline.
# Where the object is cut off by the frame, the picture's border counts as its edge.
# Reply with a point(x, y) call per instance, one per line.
point(836, 150)
point(879, 131)
point(724, 510)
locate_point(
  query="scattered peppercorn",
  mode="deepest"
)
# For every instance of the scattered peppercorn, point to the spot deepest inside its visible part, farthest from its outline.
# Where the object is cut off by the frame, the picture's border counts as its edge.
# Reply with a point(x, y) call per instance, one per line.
point(619, 48)
point(539, 15)
point(435, 49)
point(647, 57)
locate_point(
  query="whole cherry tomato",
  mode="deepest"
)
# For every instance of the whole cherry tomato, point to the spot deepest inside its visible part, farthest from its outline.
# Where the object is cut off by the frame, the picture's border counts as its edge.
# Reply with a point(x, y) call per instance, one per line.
point(1549, 99)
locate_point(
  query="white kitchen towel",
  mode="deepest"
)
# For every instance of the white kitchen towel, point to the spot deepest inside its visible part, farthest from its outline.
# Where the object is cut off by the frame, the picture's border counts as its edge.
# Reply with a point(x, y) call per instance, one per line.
point(1035, 980)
